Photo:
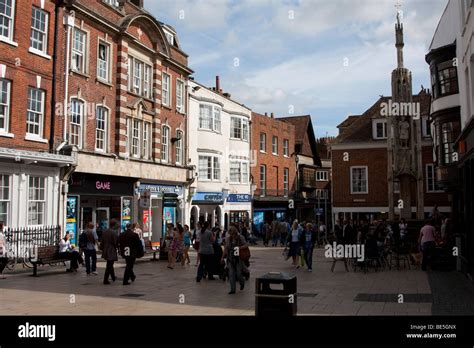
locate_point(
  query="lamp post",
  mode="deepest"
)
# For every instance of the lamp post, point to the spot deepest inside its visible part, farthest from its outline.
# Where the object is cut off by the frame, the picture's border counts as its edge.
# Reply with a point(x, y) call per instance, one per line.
point(297, 188)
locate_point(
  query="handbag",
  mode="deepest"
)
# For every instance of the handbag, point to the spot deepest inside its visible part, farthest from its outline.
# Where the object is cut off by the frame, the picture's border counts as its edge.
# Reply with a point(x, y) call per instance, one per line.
point(244, 253)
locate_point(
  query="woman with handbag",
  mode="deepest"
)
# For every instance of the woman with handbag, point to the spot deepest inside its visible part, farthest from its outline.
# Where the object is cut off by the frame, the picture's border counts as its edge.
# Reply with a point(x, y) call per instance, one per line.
point(235, 244)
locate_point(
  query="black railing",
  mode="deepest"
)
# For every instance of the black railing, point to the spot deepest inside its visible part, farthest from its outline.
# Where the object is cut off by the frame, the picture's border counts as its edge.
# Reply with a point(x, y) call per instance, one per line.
point(22, 240)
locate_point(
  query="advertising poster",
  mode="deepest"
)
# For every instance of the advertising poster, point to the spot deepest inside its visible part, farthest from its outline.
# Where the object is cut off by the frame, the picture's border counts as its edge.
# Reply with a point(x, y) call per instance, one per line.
point(71, 218)
point(168, 217)
point(126, 212)
point(146, 221)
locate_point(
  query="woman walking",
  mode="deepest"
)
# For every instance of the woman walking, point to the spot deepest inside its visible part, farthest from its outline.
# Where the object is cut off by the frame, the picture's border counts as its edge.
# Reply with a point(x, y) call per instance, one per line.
point(233, 244)
point(197, 241)
point(206, 252)
point(187, 244)
point(109, 245)
point(294, 241)
point(90, 252)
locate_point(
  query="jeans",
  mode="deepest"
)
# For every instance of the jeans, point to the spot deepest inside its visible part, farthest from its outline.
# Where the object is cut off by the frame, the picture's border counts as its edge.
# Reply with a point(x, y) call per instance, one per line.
point(205, 263)
point(235, 273)
point(308, 256)
point(91, 257)
point(109, 271)
point(129, 262)
point(73, 256)
point(3, 264)
point(275, 240)
point(427, 249)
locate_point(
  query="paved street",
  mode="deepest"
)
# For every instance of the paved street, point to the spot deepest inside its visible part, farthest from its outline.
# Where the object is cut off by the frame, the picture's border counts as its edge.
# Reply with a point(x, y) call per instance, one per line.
point(157, 291)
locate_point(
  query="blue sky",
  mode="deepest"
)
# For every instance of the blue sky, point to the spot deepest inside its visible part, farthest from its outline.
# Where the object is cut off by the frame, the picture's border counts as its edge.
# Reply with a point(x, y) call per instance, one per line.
point(327, 58)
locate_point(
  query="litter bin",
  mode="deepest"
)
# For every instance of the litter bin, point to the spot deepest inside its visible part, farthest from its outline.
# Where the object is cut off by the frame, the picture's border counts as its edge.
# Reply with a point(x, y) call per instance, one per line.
point(275, 295)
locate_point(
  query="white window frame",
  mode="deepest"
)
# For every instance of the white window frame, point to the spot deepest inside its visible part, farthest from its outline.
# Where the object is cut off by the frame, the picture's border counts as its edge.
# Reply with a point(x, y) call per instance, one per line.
point(216, 119)
point(263, 182)
point(165, 143)
point(75, 52)
point(44, 33)
point(146, 140)
point(42, 202)
point(107, 61)
point(113, 3)
point(286, 181)
point(243, 127)
point(366, 180)
point(243, 172)
point(11, 25)
point(79, 126)
point(433, 171)
point(425, 127)
point(141, 83)
point(384, 129)
point(104, 131)
point(263, 142)
point(212, 169)
point(179, 96)
point(36, 113)
point(7, 200)
point(274, 145)
point(169, 37)
point(213, 117)
point(6, 105)
point(166, 89)
point(136, 139)
point(286, 148)
point(322, 175)
point(179, 147)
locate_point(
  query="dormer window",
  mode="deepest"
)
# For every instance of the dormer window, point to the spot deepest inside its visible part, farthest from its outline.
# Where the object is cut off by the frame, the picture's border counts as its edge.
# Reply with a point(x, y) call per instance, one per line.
point(113, 3)
point(379, 129)
point(169, 37)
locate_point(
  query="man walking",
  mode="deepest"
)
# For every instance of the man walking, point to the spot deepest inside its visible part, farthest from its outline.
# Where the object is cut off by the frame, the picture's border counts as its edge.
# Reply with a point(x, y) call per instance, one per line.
point(109, 245)
point(427, 242)
point(130, 248)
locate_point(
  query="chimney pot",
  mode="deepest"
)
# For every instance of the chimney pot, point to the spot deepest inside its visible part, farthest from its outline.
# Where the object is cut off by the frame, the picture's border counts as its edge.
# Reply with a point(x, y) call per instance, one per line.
point(272, 115)
point(266, 114)
point(218, 84)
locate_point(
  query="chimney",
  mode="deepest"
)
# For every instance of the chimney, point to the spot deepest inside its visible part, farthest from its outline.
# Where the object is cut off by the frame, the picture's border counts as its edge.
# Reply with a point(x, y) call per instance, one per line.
point(272, 115)
point(218, 84)
point(266, 114)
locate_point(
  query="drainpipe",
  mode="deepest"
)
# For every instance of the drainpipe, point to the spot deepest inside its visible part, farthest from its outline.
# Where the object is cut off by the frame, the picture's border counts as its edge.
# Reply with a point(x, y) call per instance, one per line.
point(70, 25)
point(53, 93)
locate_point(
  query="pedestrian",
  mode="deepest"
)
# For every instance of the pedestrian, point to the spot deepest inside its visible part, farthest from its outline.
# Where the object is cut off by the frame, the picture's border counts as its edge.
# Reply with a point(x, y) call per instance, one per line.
point(68, 251)
point(90, 252)
point(307, 240)
point(172, 241)
point(180, 244)
point(403, 226)
point(285, 229)
point(206, 252)
point(187, 244)
point(109, 245)
point(130, 249)
point(427, 243)
point(322, 234)
point(3, 252)
point(233, 244)
point(338, 232)
point(197, 241)
point(267, 233)
point(294, 241)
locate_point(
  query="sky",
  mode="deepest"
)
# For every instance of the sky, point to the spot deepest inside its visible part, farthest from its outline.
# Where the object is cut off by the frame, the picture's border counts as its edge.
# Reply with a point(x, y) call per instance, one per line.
point(326, 58)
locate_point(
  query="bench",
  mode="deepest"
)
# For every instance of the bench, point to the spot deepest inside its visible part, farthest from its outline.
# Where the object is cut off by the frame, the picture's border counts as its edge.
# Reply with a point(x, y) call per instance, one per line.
point(47, 255)
point(150, 250)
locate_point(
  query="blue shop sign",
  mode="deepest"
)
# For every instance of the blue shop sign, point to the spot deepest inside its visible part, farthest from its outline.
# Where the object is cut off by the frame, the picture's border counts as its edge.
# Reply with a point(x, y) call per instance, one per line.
point(154, 188)
point(208, 197)
point(239, 198)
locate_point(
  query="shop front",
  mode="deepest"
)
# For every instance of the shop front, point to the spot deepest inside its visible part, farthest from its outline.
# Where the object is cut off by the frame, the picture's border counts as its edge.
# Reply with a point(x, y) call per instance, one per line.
point(237, 209)
point(207, 206)
point(99, 199)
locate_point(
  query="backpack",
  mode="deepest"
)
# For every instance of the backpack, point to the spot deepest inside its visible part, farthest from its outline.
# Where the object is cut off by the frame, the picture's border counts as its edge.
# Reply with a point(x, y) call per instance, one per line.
point(83, 240)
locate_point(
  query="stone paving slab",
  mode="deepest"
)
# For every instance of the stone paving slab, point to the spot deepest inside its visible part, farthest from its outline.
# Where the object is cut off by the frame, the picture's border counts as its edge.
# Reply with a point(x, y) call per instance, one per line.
point(50, 294)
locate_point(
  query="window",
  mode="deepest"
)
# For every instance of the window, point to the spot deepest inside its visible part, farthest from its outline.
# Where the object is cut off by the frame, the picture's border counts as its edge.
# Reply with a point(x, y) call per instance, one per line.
point(75, 124)
point(379, 129)
point(179, 147)
point(166, 91)
point(286, 147)
point(6, 19)
point(239, 128)
point(245, 173)
point(103, 60)
point(286, 181)
point(5, 199)
point(263, 142)
point(425, 127)
point(101, 117)
point(448, 78)
point(114, 3)
point(209, 168)
point(431, 182)
point(139, 77)
point(5, 87)
point(35, 112)
point(447, 142)
point(210, 117)
point(39, 30)
point(263, 180)
point(396, 186)
point(36, 200)
point(146, 140)
point(136, 138)
point(79, 51)
point(169, 37)
point(239, 172)
point(275, 145)
point(359, 180)
point(321, 194)
point(165, 144)
point(321, 176)
point(179, 96)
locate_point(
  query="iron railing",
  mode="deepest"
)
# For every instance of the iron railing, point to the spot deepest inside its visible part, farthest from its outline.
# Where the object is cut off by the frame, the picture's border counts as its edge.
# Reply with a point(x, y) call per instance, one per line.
point(22, 241)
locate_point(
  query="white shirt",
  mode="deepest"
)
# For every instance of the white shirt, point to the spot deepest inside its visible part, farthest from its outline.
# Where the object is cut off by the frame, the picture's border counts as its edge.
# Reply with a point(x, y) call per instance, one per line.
point(64, 246)
point(294, 236)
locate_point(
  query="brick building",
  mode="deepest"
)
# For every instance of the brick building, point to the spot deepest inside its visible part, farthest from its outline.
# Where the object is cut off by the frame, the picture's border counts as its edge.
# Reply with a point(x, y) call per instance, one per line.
point(32, 169)
point(359, 166)
point(273, 169)
point(125, 79)
point(323, 180)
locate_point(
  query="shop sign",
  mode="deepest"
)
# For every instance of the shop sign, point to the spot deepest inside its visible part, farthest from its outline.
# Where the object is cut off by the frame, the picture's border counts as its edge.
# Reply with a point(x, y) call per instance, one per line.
point(156, 188)
point(100, 184)
point(239, 198)
point(208, 198)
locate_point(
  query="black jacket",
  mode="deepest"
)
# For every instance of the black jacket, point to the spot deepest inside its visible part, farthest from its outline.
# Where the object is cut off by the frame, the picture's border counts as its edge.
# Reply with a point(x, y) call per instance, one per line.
point(130, 240)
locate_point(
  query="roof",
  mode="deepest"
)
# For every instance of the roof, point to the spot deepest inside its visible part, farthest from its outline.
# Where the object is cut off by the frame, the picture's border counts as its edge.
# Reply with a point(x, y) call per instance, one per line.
point(359, 128)
point(301, 126)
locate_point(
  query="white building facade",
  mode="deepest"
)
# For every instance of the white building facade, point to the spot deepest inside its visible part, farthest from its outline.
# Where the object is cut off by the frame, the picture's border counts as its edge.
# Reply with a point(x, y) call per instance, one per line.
point(219, 152)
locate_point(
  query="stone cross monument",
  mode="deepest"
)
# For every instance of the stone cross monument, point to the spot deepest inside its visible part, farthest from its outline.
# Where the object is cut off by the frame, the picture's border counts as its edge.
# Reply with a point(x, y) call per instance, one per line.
point(404, 139)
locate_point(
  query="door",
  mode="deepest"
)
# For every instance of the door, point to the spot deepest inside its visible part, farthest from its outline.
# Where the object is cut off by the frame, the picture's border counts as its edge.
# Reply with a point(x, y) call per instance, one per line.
point(102, 217)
